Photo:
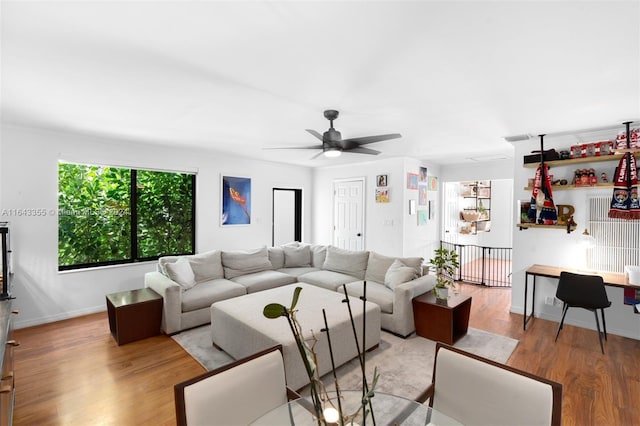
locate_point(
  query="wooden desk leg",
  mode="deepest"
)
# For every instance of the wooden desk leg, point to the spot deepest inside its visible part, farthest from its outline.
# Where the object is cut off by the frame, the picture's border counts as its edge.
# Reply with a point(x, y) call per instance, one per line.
point(533, 299)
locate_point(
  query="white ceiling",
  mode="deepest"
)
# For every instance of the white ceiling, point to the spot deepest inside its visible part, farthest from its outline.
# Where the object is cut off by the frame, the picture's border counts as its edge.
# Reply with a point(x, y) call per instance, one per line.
point(452, 77)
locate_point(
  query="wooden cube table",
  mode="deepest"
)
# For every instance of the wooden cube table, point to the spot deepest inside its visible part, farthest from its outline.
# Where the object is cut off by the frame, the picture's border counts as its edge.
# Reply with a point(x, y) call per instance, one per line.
point(134, 314)
point(444, 321)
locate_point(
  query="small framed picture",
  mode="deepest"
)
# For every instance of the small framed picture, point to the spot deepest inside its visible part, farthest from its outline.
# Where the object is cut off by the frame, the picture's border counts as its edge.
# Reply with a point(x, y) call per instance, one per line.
point(382, 195)
point(381, 180)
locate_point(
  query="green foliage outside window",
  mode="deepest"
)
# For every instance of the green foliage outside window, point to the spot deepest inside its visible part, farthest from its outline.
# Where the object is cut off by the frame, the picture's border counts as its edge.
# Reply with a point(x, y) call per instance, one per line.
point(97, 214)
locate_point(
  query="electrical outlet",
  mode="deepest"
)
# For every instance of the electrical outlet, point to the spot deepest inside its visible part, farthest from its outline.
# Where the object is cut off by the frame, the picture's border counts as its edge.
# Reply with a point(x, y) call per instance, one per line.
point(549, 300)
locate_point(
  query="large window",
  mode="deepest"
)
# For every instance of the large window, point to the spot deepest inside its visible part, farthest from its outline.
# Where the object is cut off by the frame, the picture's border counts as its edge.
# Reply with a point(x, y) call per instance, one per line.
point(112, 215)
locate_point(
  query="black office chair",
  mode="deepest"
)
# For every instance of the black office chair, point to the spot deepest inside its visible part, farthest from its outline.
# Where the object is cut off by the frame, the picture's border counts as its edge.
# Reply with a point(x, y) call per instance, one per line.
point(583, 291)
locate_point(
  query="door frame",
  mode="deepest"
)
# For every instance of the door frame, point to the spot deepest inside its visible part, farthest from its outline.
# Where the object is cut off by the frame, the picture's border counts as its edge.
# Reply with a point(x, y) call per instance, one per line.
point(363, 216)
point(298, 203)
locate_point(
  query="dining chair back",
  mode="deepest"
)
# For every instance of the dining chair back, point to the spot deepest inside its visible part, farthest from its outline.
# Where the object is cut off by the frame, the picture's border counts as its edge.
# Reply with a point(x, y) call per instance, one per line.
point(586, 292)
point(234, 394)
point(477, 391)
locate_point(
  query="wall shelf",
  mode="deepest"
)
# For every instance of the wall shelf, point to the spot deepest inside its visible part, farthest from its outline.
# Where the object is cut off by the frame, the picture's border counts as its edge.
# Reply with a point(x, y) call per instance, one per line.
point(570, 187)
point(570, 161)
point(535, 225)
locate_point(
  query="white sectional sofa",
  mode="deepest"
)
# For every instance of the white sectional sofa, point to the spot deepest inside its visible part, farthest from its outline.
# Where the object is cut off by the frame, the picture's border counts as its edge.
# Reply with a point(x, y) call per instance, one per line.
point(189, 285)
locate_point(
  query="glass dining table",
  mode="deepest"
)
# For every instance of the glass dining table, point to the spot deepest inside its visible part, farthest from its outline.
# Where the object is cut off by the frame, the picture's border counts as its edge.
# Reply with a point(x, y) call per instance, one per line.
point(388, 409)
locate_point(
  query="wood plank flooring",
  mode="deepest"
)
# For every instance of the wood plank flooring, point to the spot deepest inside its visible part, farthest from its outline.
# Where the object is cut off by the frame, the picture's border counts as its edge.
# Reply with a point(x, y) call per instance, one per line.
point(72, 372)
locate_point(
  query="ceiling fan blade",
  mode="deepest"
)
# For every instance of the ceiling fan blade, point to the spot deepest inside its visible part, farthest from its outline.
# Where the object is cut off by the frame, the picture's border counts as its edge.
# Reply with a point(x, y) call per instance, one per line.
point(361, 150)
point(314, 133)
point(297, 147)
point(317, 155)
point(370, 139)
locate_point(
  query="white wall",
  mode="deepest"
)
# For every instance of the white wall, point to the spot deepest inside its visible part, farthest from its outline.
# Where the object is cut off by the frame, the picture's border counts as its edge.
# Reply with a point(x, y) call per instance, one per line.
point(28, 180)
point(389, 228)
point(557, 248)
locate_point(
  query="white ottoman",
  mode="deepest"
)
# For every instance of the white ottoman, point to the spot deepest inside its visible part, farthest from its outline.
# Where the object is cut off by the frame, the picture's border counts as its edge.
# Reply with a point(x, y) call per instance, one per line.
point(240, 329)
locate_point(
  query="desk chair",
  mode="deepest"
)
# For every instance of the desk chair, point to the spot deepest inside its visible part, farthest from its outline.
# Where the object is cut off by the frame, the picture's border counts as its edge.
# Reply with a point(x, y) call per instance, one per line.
point(586, 292)
point(477, 391)
point(234, 394)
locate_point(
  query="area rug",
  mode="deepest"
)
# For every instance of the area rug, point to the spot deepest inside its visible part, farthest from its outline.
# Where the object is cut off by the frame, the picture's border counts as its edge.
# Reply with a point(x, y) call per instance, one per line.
point(405, 365)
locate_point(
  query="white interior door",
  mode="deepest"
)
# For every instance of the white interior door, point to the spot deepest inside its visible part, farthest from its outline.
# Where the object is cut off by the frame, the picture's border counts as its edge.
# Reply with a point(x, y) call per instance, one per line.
point(348, 214)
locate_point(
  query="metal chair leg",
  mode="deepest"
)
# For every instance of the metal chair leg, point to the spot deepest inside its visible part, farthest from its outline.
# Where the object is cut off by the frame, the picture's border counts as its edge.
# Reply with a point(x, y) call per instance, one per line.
point(565, 308)
point(604, 324)
point(595, 312)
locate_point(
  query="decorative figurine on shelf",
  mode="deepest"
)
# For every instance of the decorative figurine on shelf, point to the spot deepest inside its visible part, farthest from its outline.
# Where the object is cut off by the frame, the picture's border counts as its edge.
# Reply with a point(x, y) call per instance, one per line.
point(603, 177)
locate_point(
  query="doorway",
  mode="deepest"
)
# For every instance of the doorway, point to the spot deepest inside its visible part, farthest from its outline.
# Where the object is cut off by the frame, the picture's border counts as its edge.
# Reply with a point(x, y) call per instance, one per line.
point(348, 214)
point(286, 216)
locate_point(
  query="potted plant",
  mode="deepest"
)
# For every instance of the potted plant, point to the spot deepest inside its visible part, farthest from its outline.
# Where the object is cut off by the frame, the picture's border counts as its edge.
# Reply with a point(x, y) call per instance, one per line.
point(446, 262)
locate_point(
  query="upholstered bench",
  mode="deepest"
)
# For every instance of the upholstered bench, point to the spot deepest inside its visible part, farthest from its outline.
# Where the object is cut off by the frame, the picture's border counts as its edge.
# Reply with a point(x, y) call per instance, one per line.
point(239, 328)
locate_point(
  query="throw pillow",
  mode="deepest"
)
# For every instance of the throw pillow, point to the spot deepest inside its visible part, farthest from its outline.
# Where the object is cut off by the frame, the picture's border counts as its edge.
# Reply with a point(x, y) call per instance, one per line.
point(318, 255)
point(237, 263)
point(181, 273)
point(206, 266)
point(297, 257)
point(276, 256)
point(398, 273)
point(346, 261)
point(378, 265)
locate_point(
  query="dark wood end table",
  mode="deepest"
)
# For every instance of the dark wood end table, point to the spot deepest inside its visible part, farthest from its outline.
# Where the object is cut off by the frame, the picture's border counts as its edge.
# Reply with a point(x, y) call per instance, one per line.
point(134, 314)
point(444, 321)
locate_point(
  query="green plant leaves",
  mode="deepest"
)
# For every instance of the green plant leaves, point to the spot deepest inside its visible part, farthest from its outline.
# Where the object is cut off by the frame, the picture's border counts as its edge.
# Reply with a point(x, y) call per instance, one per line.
point(274, 310)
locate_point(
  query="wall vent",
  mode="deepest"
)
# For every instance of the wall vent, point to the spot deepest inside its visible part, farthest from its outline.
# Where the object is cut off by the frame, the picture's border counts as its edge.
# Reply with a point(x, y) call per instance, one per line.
point(616, 241)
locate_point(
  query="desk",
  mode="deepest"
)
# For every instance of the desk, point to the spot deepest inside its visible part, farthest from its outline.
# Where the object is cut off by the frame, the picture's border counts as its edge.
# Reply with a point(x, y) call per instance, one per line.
point(610, 279)
point(388, 410)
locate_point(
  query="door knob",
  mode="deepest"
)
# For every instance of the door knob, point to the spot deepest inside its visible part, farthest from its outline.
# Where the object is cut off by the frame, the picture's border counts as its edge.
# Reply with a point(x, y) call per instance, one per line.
point(359, 234)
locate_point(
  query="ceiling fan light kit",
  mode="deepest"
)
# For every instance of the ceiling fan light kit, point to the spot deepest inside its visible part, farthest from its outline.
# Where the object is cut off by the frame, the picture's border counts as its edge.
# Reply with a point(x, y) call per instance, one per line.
point(333, 145)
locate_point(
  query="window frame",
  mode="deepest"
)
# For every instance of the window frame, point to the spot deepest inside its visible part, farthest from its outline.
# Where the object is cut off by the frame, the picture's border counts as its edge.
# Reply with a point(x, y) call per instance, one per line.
point(133, 218)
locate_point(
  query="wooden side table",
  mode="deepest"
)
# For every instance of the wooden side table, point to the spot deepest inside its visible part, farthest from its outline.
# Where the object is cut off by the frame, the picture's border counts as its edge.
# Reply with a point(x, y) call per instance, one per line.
point(445, 321)
point(134, 314)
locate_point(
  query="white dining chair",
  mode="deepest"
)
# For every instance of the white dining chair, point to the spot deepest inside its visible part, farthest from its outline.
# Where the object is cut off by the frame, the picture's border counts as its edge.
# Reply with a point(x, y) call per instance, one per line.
point(235, 394)
point(477, 391)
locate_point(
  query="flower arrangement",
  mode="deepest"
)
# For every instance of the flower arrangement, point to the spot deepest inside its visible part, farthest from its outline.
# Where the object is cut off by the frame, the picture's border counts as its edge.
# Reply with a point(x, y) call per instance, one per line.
point(327, 410)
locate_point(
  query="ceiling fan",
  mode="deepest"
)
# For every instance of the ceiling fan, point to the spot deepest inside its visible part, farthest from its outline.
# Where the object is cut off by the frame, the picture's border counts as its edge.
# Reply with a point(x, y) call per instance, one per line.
point(333, 145)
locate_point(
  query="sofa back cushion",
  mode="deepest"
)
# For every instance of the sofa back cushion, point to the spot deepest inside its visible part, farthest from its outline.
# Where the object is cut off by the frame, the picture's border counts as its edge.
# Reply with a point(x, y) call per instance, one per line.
point(318, 255)
point(297, 257)
point(348, 262)
point(276, 257)
point(378, 265)
point(207, 266)
point(243, 262)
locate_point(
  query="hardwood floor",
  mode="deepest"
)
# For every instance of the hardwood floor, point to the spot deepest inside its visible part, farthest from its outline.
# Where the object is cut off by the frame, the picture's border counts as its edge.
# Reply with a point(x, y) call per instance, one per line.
point(72, 372)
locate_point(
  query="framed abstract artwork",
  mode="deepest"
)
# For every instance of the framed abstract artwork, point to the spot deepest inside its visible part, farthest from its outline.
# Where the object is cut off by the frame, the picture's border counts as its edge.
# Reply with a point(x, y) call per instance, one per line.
point(432, 183)
point(412, 181)
point(236, 201)
point(423, 175)
point(423, 218)
point(381, 180)
point(422, 195)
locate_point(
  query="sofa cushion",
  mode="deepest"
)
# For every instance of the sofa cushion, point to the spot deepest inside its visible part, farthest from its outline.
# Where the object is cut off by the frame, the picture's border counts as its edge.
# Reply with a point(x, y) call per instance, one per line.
point(276, 257)
point(242, 262)
point(377, 293)
point(326, 279)
point(207, 266)
point(264, 280)
point(348, 262)
point(378, 264)
point(399, 273)
point(181, 273)
point(318, 255)
point(296, 257)
point(204, 294)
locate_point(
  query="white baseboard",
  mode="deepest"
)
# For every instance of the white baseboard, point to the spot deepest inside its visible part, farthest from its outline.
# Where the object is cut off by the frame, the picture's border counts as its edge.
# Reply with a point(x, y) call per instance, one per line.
point(59, 317)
